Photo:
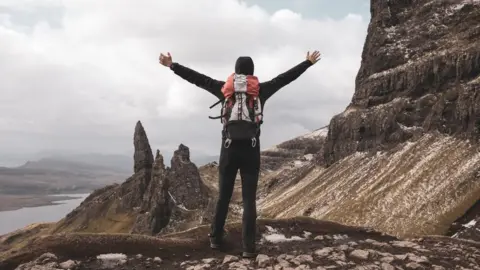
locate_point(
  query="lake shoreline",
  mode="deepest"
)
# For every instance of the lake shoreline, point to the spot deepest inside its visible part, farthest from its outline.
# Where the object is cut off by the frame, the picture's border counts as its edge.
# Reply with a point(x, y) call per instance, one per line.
point(55, 207)
point(16, 202)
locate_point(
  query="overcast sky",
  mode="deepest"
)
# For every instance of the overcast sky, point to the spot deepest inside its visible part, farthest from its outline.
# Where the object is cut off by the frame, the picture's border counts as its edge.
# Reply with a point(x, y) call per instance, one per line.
point(76, 75)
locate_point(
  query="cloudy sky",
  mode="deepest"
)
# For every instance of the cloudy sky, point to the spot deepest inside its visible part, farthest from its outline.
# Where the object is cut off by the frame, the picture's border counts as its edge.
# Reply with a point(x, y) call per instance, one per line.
point(76, 75)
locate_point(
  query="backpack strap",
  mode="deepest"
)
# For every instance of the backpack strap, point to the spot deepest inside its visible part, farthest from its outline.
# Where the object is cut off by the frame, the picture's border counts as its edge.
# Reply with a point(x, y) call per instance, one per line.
point(218, 102)
point(217, 117)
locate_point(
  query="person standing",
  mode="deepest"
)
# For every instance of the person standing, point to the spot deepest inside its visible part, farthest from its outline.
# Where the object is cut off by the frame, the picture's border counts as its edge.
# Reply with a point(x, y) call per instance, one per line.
point(243, 98)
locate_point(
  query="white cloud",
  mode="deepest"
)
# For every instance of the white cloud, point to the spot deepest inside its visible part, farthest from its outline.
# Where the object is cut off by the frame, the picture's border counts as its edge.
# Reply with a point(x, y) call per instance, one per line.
point(82, 84)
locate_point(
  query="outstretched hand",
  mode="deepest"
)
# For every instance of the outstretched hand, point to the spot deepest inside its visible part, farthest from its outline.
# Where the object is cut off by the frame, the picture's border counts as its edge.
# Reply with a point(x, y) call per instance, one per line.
point(314, 57)
point(165, 60)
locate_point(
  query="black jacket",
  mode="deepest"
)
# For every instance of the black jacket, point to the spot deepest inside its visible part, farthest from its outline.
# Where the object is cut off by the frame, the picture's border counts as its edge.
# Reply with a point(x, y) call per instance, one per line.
point(267, 89)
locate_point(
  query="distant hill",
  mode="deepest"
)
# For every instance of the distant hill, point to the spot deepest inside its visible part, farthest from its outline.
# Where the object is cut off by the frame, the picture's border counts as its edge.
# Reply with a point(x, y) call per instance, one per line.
point(121, 163)
point(70, 172)
point(63, 174)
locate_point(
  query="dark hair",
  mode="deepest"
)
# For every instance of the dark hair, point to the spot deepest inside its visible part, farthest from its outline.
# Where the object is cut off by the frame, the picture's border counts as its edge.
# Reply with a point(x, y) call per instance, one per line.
point(244, 65)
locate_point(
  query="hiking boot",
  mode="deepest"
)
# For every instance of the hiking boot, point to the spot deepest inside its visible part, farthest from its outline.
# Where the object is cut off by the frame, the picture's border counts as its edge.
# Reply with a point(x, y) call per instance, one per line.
point(215, 241)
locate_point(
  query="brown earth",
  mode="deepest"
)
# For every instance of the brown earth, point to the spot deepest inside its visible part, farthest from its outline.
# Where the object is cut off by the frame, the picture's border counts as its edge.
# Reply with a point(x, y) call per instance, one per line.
point(300, 243)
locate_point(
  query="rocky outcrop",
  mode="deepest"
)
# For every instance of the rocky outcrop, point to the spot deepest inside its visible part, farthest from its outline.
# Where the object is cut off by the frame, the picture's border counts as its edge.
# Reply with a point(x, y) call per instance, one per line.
point(403, 157)
point(294, 151)
point(143, 157)
point(156, 208)
point(420, 72)
point(468, 226)
point(188, 188)
point(418, 188)
point(155, 199)
point(286, 164)
point(282, 244)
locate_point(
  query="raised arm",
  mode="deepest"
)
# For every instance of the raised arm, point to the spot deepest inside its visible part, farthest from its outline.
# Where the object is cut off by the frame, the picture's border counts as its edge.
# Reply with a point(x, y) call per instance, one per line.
point(271, 87)
point(211, 85)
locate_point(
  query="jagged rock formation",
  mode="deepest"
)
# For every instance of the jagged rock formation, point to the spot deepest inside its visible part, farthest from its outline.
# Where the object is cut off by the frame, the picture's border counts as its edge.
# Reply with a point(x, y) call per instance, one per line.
point(156, 208)
point(283, 244)
point(155, 199)
point(142, 157)
point(420, 72)
point(191, 191)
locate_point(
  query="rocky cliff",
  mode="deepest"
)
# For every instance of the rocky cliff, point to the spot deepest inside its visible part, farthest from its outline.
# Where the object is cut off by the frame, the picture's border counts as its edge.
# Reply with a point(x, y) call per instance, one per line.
point(419, 188)
point(420, 72)
point(403, 157)
point(155, 199)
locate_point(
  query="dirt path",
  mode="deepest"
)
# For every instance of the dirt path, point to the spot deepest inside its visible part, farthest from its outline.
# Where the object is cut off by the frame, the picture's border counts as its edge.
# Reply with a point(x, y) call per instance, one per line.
point(283, 244)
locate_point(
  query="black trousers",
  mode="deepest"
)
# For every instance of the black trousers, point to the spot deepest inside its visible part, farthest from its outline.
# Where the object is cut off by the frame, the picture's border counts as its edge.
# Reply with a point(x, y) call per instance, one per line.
point(240, 155)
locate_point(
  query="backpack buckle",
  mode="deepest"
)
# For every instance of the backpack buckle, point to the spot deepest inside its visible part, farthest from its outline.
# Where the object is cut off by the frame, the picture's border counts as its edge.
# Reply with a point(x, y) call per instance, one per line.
point(254, 142)
point(227, 143)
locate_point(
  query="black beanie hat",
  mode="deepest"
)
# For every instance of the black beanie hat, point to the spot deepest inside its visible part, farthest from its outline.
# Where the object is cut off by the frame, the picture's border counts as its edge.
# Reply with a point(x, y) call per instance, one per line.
point(244, 65)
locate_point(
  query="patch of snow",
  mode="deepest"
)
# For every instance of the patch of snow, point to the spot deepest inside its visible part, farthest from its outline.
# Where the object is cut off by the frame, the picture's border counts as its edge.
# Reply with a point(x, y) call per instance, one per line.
point(308, 157)
point(475, 81)
point(277, 238)
point(272, 149)
point(467, 225)
point(470, 224)
point(111, 260)
point(391, 31)
point(270, 229)
point(179, 205)
point(112, 256)
point(340, 236)
point(348, 111)
point(273, 236)
point(458, 6)
point(427, 57)
point(298, 163)
point(408, 128)
point(321, 132)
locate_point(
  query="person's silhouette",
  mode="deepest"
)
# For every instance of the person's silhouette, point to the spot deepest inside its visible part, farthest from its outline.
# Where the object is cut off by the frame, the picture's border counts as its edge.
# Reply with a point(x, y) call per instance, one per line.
point(239, 154)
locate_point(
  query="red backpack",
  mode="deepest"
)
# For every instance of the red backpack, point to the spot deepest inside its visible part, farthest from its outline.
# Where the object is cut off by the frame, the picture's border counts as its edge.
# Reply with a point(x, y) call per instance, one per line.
point(241, 113)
